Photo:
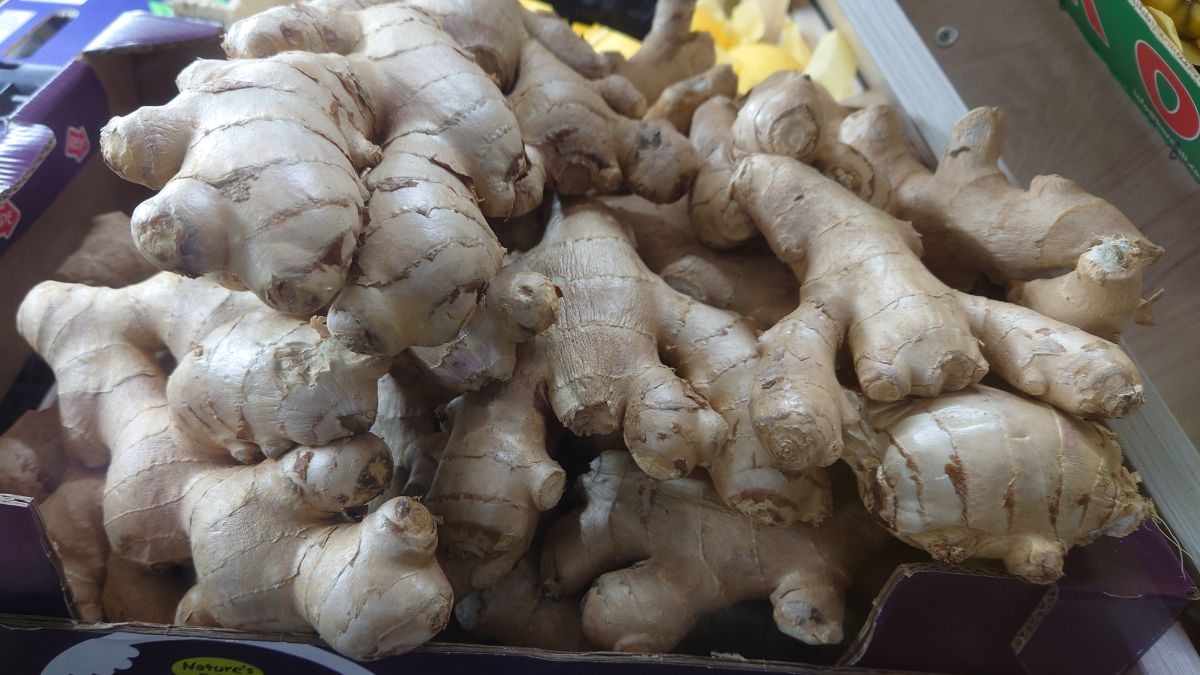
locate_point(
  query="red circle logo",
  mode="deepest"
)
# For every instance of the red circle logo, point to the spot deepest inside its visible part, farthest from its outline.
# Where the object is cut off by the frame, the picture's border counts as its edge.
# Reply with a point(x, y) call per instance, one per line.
point(1184, 118)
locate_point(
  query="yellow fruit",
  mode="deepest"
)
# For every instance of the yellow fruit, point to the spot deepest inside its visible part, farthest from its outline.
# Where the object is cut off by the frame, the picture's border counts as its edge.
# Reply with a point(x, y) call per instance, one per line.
point(605, 39)
point(704, 21)
point(1191, 26)
point(1164, 6)
point(834, 65)
point(791, 42)
point(537, 6)
point(754, 62)
point(1168, 27)
point(747, 22)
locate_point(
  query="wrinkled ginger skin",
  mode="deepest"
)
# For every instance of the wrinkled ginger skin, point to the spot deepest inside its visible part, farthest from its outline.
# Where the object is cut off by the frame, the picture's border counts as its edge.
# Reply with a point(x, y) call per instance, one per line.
point(370, 589)
point(588, 146)
point(605, 367)
point(517, 306)
point(427, 254)
point(75, 526)
point(790, 114)
point(516, 612)
point(908, 334)
point(678, 102)
point(694, 556)
point(755, 285)
point(248, 380)
point(1101, 295)
point(32, 460)
point(971, 219)
point(670, 52)
point(239, 135)
point(983, 473)
point(717, 218)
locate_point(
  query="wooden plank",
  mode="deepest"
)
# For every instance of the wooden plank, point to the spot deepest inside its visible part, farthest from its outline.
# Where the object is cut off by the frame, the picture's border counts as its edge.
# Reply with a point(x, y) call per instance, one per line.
point(1067, 115)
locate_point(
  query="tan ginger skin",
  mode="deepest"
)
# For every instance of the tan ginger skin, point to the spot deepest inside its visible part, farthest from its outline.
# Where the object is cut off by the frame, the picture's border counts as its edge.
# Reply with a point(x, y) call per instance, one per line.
point(862, 283)
point(603, 368)
point(685, 554)
point(269, 542)
point(107, 256)
point(75, 526)
point(516, 611)
point(678, 102)
point(789, 115)
point(239, 135)
point(983, 473)
point(973, 221)
point(32, 460)
point(495, 32)
point(249, 381)
point(754, 284)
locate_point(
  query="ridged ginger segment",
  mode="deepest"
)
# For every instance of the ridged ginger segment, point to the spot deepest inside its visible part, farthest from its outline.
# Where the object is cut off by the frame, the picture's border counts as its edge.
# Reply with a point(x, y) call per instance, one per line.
point(606, 367)
point(984, 473)
point(973, 222)
point(679, 553)
point(862, 284)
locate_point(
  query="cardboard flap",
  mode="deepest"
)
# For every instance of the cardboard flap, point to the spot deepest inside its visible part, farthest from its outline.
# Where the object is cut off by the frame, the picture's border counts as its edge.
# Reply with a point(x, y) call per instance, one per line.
point(23, 146)
point(1117, 597)
point(66, 115)
point(29, 576)
point(137, 32)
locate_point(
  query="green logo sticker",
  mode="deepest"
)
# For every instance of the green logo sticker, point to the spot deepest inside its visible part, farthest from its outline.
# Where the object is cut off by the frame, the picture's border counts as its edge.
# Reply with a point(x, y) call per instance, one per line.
point(213, 666)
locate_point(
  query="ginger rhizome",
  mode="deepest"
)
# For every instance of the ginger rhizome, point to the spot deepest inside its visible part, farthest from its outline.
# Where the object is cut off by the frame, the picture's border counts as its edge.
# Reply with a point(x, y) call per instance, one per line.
point(248, 380)
point(75, 526)
point(606, 367)
point(679, 554)
point(984, 473)
point(107, 256)
point(973, 222)
point(271, 544)
point(753, 283)
point(516, 611)
point(862, 284)
point(788, 115)
point(32, 460)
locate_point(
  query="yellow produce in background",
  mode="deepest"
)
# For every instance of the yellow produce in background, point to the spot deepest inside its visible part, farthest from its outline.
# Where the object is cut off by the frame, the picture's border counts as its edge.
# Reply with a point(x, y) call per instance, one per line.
point(537, 6)
point(737, 37)
point(1180, 22)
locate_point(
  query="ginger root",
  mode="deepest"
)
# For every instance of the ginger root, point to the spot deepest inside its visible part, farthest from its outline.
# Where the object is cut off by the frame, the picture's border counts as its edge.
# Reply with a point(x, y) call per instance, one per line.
point(107, 256)
point(908, 334)
point(789, 115)
point(75, 526)
point(270, 542)
point(604, 368)
point(678, 102)
point(32, 460)
point(751, 283)
point(973, 221)
point(248, 380)
point(983, 473)
point(688, 555)
point(515, 611)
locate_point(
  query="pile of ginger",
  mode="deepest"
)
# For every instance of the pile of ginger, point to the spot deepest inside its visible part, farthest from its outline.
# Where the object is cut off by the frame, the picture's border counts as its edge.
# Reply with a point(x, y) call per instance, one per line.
point(410, 249)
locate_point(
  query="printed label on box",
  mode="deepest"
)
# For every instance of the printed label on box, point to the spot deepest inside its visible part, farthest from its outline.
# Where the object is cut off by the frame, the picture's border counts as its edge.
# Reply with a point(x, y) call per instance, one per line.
point(77, 145)
point(11, 21)
point(10, 217)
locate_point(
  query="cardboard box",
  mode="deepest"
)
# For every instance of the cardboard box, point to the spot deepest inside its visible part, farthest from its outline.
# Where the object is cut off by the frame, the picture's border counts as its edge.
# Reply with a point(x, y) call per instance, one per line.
point(1118, 597)
point(103, 61)
point(1149, 67)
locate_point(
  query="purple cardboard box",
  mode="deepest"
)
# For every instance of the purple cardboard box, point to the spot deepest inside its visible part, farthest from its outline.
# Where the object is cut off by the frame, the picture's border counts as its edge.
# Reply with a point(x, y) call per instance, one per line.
point(1118, 597)
point(72, 66)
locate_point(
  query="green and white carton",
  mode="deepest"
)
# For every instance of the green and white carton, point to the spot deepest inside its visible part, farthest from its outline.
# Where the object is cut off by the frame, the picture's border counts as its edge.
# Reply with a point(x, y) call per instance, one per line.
point(1149, 67)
